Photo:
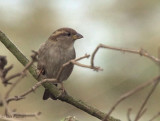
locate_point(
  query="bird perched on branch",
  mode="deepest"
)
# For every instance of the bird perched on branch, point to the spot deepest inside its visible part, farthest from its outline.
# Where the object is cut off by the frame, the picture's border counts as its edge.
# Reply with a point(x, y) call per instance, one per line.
point(56, 51)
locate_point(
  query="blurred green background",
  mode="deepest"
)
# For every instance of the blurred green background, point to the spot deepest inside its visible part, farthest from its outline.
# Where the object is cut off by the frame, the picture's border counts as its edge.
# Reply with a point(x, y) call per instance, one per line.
point(121, 23)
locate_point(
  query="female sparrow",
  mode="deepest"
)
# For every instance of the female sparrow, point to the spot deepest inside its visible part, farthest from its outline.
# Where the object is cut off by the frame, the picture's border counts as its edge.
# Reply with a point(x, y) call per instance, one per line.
point(57, 50)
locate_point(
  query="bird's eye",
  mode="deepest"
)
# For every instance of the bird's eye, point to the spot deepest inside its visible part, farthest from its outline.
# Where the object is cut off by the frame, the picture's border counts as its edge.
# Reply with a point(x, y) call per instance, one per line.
point(68, 34)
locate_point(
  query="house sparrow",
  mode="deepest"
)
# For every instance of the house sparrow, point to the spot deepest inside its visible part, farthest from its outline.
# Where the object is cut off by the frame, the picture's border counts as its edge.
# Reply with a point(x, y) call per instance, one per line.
point(57, 50)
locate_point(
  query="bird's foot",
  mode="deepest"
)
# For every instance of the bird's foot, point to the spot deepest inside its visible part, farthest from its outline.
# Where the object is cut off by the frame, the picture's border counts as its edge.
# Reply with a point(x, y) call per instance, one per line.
point(63, 91)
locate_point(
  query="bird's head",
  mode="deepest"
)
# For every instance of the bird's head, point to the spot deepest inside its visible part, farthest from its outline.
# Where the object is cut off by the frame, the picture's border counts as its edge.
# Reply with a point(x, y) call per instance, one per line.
point(65, 37)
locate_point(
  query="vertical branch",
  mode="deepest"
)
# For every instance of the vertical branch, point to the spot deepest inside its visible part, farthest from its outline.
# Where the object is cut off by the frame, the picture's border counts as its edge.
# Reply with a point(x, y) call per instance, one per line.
point(94, 53)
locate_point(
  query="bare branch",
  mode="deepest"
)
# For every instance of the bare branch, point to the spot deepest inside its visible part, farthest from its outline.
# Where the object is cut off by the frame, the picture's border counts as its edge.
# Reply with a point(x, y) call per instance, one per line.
point(128, 114)
point(128, 94)
point(12, 77)
point(19, 115)
point(154, 117)
point(13, 86)
point(146, 100)
point(86, 66)
point(140, 52)
point(64, 65)
point(83, 57)
point(9, 112)
point(74, 61)
point(22, 74)
point(142, 113)
point(5, 71)
point(4, 118)
point(22, 96)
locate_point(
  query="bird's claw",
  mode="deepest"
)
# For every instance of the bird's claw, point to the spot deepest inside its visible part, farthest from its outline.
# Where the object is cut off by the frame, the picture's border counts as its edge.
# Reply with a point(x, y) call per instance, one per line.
point(63, 91)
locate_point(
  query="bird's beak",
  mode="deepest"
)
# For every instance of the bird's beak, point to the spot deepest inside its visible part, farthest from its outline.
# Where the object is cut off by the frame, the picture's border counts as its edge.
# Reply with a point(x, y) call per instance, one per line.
point(77, 36)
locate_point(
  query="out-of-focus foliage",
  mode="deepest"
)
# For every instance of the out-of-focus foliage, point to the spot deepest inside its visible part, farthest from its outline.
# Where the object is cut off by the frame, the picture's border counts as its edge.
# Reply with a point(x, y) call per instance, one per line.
point(126, 23)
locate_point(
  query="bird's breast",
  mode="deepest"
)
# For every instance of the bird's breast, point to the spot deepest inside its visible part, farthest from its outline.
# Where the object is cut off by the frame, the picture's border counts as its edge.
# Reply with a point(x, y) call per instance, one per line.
point(55, 58)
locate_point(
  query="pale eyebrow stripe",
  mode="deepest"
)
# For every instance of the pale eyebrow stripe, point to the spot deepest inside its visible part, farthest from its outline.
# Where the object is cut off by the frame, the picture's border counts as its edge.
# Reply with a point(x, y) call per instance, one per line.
point(58, 33)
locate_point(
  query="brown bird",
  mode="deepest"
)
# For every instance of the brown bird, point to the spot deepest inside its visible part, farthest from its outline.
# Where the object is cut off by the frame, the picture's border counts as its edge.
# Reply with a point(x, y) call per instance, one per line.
point(57, 50)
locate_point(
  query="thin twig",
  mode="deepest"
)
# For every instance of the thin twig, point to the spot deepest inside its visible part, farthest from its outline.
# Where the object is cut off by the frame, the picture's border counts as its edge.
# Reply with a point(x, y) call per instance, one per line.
point(22, 96)
point(13, 86)
point(129, 113)
point(74, 61)
point(128, 94)
point(142, 113)
point(67, 63)
point(18, 115)
point(9, 112)
point(140, 52)
point(7, 69)
point(86, 66)
point(22, 74)
point(4, 118)
point(154, 117)
point(146, 100)
point(83, 57)
point(12, 77)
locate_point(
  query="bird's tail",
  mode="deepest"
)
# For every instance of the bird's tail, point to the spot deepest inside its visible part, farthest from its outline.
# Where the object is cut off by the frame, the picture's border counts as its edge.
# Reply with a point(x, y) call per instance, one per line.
point(47, 95)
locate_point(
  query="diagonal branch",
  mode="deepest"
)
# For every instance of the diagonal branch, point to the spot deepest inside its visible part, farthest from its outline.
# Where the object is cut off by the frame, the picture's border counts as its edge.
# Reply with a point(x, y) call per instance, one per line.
point(54, 91)
point(146, 100)
point(155, 116)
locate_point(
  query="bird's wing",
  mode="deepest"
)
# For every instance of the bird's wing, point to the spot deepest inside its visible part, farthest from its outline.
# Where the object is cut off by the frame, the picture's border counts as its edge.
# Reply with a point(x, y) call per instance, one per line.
point(41, 63)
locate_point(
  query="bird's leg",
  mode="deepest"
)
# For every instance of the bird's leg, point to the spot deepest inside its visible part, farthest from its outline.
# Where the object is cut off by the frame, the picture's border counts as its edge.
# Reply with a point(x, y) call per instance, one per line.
point(41, 71)
point(62, 88)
